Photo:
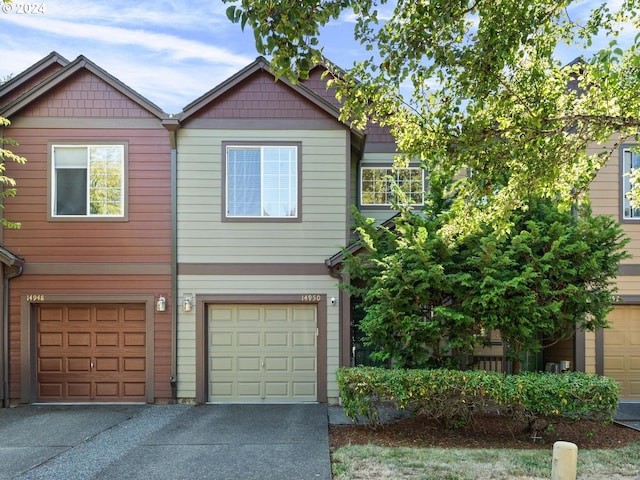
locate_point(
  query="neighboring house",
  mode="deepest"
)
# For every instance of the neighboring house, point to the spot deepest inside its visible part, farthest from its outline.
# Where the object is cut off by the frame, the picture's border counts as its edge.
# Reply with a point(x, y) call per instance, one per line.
point(94, 201)
point(615, 351)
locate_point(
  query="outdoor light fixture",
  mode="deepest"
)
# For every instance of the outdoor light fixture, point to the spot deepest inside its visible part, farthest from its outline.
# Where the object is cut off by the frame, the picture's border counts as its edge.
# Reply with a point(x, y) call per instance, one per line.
point(161, 304)
point(187, 305)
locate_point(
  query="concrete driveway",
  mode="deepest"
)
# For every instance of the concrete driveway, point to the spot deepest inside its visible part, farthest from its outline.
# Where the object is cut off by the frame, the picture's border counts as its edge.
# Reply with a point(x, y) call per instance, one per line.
point(244, 442)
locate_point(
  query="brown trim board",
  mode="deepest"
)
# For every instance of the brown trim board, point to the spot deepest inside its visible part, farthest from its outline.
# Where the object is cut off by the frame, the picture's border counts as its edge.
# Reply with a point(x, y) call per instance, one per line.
point(97, 269)
point(252, 269)
point(202, 302)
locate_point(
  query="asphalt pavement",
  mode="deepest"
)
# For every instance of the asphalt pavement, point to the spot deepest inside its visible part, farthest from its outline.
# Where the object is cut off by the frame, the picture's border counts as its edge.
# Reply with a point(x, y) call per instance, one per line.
point(226, 442)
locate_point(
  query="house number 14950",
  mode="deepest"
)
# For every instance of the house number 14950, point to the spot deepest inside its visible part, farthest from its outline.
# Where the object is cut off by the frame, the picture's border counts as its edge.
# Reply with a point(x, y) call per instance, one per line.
point(311, 298)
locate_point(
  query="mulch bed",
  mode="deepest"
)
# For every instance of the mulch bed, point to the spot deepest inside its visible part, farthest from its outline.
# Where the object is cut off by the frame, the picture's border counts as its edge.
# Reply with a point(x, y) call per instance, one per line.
point(488, 431)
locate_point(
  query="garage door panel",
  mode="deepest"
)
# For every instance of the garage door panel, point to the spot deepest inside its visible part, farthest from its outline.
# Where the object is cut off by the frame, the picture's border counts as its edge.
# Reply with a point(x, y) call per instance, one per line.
point(253, 350)
point(133, 339)
point(248, 339)
point(78, 390)
point(54, 390)
point(50, 339)
point(307, 339)
point(98, 354)
point(80, 339)
point(78, 364)
point(51, 364)
point(621, 346)
point(249, 364)
point(276, 339)
point(133, 364)
point(106, 339)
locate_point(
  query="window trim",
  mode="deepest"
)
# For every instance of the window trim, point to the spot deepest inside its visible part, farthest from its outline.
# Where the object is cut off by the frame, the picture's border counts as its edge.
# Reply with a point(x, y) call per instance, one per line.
point(223, 205)
point(378, 206)
point(624, 148)
point(87, 218)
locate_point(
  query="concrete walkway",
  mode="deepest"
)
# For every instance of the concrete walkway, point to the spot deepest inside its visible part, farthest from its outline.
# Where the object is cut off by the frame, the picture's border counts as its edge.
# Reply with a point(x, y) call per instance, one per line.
point(243, 442)
point(628, 414)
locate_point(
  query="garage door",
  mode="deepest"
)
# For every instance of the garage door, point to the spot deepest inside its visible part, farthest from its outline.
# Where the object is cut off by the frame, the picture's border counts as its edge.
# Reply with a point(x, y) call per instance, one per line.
point(91, 353)
point(622, 350)
point(262, 353)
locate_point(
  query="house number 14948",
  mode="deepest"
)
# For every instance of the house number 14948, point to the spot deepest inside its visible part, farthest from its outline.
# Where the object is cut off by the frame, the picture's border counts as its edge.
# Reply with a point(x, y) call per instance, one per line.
point(311, 298)
point(32, 297)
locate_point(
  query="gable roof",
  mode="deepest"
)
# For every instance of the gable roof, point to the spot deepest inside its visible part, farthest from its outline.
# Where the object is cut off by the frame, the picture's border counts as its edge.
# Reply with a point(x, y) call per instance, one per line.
point(260, 64)
point(66, 72)
point(33, 71)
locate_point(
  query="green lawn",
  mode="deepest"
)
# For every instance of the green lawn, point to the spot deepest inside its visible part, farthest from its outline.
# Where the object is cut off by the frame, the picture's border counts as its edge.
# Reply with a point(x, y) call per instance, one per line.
point(379, 463)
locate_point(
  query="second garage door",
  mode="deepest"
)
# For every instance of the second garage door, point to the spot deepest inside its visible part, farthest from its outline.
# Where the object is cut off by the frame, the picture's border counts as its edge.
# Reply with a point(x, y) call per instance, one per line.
point(622, 350)
point(262, 353)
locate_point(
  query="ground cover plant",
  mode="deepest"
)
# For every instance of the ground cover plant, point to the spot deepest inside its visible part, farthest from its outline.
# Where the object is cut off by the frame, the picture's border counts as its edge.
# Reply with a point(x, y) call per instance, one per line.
point(490, 443)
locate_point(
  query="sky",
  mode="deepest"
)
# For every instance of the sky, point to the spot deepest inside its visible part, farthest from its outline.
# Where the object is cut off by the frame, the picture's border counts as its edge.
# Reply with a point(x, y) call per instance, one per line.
point(169, 51)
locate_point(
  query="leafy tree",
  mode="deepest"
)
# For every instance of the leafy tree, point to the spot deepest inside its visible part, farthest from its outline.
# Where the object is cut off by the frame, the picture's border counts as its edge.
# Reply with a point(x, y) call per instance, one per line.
point(425, 297)
point(552, 274)
point(486, 92)
point(8, 184)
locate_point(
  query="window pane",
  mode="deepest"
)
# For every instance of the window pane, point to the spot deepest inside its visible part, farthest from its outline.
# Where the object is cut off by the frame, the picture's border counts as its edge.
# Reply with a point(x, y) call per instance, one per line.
point(279, 182)
point(630, 160)
point(71, 187)
point(106, 183)
point(377, 185)
point(243, 182)
point(71, 157)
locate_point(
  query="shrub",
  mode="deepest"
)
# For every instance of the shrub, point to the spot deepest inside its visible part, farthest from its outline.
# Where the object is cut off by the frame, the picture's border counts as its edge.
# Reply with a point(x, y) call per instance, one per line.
point(454, 397)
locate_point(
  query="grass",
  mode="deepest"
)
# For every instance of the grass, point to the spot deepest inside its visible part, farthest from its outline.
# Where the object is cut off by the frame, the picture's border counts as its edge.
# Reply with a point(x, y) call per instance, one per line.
point(380, 463)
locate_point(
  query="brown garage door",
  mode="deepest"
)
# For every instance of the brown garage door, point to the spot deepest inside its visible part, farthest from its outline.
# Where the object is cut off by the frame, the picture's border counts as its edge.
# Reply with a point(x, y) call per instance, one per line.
point(91, 353)
point(622, 350)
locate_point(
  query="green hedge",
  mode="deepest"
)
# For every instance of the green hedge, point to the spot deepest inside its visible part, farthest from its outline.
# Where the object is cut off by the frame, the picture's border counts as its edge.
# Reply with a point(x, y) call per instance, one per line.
point(454, 396)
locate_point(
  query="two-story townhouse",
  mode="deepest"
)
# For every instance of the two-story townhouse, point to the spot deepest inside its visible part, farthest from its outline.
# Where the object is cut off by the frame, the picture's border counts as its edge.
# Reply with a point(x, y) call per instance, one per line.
point(89, 317)
point(263, 181)
point(615, 351)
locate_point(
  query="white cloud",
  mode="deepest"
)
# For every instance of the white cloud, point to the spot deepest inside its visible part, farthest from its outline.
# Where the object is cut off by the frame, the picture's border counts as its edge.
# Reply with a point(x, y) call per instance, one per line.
point(171, 45)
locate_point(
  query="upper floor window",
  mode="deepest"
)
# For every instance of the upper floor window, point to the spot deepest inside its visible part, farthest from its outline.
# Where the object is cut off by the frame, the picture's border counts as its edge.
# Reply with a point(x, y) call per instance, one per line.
point(262, 182)
point(629, 160)
point(376, 185)
point(88, 180)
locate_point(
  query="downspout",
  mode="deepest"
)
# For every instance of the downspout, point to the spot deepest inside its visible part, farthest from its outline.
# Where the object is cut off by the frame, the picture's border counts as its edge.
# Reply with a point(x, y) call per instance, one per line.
point(345, 330)
point(5, 334)
point(172, 124)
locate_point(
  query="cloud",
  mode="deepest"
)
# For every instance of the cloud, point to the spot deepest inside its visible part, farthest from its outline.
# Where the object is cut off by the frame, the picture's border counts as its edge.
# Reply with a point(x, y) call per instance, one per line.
point(171, 45)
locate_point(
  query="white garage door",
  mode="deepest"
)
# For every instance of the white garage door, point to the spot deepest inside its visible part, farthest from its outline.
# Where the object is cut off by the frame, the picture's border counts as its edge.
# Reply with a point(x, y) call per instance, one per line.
point(622, 350)
point(262, 353)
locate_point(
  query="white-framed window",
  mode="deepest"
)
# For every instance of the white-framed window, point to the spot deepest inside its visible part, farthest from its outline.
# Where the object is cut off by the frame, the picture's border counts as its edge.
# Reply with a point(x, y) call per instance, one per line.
point(262, 181)
point(630, 160)
point(88, 180)
point(376, 185)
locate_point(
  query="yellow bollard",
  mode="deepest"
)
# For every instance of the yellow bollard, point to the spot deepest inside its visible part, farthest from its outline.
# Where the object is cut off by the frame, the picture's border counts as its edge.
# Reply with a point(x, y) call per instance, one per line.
point(565, 461)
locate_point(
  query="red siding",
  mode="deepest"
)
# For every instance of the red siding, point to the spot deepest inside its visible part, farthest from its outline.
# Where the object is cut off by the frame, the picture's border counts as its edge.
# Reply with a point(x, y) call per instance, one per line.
point(260, 97)
point(4, 100)
point(85, 95)
point(144, 238)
